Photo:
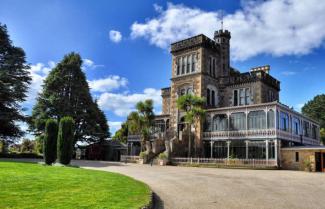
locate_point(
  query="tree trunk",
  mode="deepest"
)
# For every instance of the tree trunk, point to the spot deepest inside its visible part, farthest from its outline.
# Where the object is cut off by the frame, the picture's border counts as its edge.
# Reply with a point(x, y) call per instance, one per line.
point(189, 142)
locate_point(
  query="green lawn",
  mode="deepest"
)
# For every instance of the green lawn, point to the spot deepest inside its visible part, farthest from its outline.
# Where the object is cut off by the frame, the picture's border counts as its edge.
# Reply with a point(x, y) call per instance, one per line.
point(28, 185)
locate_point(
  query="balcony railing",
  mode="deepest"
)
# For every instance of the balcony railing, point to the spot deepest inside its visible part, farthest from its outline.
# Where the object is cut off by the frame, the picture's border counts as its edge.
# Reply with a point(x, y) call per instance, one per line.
point(254, 163)
point(262, 133)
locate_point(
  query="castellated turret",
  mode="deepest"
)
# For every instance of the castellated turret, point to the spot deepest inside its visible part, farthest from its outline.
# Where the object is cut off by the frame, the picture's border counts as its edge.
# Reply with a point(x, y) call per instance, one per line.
point(222, 38)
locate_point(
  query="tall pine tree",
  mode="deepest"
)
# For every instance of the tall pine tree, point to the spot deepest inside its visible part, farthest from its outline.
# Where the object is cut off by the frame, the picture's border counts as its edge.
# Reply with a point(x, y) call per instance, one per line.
point(14, 81)
point(66, 93)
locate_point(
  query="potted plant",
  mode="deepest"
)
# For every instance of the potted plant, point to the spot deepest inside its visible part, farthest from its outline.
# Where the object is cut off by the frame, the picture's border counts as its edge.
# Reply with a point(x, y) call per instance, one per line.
point(162, 159)
point(307, 164)
point(143, 157)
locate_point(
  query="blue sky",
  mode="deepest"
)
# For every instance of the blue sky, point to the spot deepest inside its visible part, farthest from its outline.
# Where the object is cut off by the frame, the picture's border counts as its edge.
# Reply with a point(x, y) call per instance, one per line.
point(125, 44)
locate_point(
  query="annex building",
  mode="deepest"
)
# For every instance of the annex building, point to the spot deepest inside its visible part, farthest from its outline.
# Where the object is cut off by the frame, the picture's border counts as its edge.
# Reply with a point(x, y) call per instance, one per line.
point(244, 116)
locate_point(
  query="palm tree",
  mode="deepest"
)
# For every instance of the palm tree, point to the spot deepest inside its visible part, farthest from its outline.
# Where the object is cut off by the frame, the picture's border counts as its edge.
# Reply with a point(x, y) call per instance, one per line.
point(193, 106)
point(142, 120)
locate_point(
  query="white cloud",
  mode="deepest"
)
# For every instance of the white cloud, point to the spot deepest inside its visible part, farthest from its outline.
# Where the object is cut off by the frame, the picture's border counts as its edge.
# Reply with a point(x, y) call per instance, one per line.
point(276, 27)
point(123, 104)
point(38, 73)
point(158, 8)
point(115, 36)
point(89, 64)
point(114, 126)
point(107, 84)
point(288, 73)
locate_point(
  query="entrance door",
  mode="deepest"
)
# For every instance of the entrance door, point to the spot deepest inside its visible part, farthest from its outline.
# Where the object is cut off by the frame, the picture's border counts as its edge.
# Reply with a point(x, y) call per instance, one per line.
point(318, 161)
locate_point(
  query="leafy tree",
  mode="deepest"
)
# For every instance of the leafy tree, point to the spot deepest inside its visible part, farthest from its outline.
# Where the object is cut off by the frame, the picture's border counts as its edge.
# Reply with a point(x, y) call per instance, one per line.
point(322, 135)
point(194, 112)
point(142, 120)
point(65, 140)
point(27, 145)
point(14, 81)
point(39, 144)
point(122, 133)
point(50, 141)
point(315, 109)
point(66, 93)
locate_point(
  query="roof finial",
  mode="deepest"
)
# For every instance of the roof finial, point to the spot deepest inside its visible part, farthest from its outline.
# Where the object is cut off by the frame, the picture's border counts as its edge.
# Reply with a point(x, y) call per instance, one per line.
point(222, 20)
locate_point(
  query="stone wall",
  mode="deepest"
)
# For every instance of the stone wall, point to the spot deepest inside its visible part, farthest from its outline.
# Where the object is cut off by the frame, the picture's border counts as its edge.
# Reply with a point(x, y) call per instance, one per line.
point(288, 159)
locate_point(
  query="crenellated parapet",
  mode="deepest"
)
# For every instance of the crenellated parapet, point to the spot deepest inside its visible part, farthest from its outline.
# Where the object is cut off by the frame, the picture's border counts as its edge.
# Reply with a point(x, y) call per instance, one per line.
point(195, 41)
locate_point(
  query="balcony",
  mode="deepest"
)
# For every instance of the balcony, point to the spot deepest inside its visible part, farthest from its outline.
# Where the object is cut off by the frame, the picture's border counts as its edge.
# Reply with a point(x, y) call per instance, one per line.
point(260, 121)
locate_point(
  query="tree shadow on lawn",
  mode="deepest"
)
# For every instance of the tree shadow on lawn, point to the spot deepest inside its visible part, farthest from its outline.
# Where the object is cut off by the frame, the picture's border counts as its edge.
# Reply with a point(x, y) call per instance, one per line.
point(157, 202)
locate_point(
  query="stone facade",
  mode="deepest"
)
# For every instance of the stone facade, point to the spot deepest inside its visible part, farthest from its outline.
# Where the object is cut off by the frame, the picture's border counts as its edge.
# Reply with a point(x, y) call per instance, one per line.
point(201, 65)
point(303, 158)
point(244, 118)
point(289, 161)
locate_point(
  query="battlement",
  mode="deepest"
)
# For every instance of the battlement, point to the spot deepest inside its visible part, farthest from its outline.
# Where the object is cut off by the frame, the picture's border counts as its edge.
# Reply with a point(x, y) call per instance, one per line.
point(265, 68)
point(222, 33)
point(195, 41)
point(254, 76)
point(165, 92)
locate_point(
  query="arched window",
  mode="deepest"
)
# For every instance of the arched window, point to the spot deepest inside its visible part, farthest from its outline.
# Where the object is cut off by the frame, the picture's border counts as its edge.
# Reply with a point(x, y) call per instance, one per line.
point(208, 97)
point(220, 123)
point(212, 96)
point(189, 91)
point(256, 120)
point(238, 121)
point(270, 119)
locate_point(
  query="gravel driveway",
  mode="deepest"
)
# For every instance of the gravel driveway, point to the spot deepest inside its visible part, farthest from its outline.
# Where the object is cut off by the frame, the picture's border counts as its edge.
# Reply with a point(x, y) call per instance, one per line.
point(204, 188)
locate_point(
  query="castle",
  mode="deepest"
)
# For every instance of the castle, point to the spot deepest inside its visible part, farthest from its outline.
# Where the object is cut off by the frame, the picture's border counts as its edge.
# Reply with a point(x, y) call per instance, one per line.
point(244, 118)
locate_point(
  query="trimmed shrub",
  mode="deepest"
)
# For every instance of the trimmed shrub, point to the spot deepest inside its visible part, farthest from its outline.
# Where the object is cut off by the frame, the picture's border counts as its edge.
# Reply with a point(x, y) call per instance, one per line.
point(51, 134)
point(65, 140)
point(143, 155)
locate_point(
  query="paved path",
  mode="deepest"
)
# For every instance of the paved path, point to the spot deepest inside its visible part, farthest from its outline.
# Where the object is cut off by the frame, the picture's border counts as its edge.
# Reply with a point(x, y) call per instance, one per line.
point(205, 188)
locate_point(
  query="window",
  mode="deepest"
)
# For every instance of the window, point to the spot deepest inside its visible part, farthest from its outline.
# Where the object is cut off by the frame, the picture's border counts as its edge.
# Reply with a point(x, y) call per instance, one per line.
point(314, 131)
point(256, 120)
point(220, 123)
point(183, 65)
point(270, 119)
point(189, 91)
point(284, 121)
point(178, 63)
point(238, 121)
point(306, 129)
point(194, 62)
point(188, 64)
point(208, 97)
point(295, 125)
point(297, 156)
point(247, 96)
point(213, 98)
point(214, 68)
point(235, 97)
point(182, 92)
point(270, 96)
point(242, 97)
